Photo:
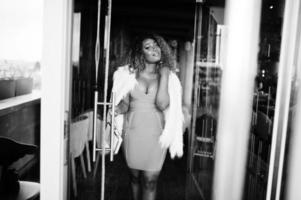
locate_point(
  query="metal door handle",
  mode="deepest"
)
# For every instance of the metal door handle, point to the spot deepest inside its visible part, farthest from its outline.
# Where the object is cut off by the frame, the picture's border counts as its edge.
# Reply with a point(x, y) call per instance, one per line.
point(95, 124)
point(111, 145)
point(112, 128)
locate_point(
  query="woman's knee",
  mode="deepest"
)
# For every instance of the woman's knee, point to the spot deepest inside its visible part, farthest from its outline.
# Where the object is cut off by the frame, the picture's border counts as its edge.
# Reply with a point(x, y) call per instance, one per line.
point(150, 181)
point(135, 179)
point(149, 184)
point(134, 176)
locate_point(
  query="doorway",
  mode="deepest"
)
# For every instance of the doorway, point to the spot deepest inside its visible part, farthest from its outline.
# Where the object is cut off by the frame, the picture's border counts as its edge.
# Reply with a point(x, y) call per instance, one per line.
point(173, 20)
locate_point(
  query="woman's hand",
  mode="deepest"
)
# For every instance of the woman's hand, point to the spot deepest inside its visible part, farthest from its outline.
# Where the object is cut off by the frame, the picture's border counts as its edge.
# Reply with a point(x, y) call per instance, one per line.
point(164, 71)
point(117, 111)
point(123, 106)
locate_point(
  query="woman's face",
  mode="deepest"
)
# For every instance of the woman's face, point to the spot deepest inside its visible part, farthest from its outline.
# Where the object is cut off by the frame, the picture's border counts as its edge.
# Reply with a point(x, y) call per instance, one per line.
point(151, 51)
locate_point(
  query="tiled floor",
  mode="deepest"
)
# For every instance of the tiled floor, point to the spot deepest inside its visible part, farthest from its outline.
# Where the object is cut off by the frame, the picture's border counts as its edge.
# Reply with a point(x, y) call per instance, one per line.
point(171, 185)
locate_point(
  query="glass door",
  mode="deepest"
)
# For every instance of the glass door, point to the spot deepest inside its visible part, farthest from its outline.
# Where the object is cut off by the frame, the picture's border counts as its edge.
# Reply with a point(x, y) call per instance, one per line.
point(103, 140)
point(103, 143)
point(90, 147)
point(257, 134)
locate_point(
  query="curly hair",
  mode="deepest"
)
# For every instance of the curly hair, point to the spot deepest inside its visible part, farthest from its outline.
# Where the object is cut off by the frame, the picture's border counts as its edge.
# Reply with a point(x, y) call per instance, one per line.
point(136, 58)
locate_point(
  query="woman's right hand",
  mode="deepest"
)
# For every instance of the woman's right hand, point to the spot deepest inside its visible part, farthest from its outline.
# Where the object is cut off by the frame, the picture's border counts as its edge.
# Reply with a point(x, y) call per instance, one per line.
point(117, 110)
point(123, 106)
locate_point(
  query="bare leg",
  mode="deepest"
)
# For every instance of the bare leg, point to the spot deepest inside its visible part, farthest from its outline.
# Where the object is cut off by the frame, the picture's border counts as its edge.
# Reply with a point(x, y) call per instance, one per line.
point(135, 183)
point(150, 184)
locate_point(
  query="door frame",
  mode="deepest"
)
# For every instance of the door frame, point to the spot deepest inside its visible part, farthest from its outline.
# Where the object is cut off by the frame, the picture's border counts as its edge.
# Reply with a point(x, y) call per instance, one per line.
point(56, 66)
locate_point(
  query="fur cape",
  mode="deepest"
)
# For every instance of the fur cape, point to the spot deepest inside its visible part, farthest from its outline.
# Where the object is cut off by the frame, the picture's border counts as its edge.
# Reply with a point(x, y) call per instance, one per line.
point(172, 136)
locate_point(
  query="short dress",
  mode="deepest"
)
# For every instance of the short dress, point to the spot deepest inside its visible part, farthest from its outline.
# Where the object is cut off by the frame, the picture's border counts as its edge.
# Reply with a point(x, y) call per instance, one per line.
point(143, 125)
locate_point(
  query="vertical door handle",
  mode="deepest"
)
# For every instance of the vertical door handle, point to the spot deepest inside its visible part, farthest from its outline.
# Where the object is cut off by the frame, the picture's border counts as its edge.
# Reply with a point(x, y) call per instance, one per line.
point(112, 143)
point(95, 124)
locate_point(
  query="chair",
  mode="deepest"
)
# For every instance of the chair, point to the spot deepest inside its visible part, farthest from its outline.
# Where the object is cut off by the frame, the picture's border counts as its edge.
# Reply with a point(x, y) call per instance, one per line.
point(99, 125)
point(28, 190)
point(263, 125)
point(90, 116)
point(205, 131)
point(78, 139)
point(258, 161)
point(10, 187)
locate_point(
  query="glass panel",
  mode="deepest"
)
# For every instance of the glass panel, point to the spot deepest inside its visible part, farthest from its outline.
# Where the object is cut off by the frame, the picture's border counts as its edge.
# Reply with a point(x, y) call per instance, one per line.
point(207, 83)
point(21, 48)
point(264, 101)
point(21, 38)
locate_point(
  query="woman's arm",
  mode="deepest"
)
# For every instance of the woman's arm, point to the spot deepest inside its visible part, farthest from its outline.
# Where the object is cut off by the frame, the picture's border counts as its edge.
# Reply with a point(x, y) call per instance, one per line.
point(162, 98)
point(123, 105)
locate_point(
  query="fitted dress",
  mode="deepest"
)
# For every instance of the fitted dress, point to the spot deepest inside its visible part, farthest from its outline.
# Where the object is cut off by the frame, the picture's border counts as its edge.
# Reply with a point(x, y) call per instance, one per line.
point(143, 125)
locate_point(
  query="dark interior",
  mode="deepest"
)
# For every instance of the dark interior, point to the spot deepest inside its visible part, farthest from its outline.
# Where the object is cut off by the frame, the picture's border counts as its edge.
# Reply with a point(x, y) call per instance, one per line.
point(175, 21)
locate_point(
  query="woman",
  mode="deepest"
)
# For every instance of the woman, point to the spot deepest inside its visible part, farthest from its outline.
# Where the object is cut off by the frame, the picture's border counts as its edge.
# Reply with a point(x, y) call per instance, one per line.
point(149, 97)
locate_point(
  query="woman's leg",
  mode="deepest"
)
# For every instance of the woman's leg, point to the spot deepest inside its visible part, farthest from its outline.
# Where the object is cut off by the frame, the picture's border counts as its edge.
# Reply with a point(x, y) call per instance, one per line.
point(150, 184)
point(135, 182)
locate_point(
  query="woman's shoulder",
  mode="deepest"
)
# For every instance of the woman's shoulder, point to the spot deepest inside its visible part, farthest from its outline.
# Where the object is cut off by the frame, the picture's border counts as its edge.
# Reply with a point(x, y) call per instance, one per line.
point(123, 72)
point(123, 68)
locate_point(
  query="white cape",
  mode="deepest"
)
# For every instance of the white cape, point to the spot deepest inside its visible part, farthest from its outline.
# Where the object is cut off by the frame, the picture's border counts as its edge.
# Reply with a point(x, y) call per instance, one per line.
point(172, 136)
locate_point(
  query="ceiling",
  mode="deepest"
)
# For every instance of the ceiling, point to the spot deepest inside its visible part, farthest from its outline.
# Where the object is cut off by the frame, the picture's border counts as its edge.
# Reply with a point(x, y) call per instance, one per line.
point(169, 18)
point(173, 19)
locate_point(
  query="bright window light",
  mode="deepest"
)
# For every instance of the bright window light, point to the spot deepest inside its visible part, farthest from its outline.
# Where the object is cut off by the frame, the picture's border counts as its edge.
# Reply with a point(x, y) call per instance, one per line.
point(21, 29)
